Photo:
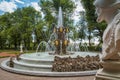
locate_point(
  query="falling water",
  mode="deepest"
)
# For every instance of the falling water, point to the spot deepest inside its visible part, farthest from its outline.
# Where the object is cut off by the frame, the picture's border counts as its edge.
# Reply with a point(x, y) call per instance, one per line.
point(49, 46)
point(53, 36)
point(44, 43)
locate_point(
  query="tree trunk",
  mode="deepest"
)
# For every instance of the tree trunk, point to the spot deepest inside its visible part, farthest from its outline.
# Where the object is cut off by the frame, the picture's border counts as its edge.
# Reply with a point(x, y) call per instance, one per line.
point(89, 37)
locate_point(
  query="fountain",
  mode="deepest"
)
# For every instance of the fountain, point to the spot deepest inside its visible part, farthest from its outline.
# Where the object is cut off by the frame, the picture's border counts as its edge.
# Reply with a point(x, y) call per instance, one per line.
point(59, 62)
point(61, 42)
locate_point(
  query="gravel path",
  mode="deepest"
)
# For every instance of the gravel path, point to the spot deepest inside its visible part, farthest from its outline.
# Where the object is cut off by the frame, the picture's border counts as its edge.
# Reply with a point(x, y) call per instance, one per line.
point(4, 75)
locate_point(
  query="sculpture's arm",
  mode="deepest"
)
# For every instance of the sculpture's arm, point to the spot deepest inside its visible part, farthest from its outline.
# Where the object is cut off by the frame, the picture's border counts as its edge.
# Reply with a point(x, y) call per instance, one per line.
point(117, 37)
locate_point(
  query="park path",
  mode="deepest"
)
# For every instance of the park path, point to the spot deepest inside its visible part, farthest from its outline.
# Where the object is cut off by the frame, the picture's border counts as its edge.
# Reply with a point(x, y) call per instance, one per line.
point(5, 54)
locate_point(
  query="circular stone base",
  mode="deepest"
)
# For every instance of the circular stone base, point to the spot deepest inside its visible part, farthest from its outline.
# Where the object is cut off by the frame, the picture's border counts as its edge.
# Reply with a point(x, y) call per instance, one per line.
point(4, 65)
point(39, 73)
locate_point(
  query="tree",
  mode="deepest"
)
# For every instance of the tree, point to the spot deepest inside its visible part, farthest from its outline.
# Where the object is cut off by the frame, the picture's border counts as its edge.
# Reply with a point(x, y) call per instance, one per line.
point(50, 9)
point(91, 18)
point(90, 15)
point(5, 23)
point(82, 26)
point(18, 26)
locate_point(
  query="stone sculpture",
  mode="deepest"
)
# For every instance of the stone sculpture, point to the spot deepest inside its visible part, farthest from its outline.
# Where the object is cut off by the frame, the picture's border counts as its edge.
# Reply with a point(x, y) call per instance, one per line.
point(108, 10)
point(11, 63)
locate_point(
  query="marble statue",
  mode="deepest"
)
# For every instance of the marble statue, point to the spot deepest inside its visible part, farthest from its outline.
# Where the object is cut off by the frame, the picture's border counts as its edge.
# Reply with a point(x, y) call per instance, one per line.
point(108, 10)
point(21, 48)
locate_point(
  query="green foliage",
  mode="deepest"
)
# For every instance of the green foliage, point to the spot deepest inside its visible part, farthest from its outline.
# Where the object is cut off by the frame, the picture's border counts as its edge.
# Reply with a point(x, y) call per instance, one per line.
point(91, 18)
point(50, 9)
point(17, 27)
point(90, 11)
point(95, 48)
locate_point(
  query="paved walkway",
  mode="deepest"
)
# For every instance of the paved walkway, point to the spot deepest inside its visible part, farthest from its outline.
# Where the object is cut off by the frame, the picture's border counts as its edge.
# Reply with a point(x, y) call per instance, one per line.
point(5, 54)
point(4, 75)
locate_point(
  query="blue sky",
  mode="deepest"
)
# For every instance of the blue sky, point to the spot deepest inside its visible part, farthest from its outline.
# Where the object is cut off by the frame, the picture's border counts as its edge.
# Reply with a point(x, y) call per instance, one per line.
point(12, 5)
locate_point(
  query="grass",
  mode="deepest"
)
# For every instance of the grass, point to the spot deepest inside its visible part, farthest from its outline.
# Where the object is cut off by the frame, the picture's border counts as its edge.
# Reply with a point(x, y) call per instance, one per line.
point(3, 57)
point(10, 51)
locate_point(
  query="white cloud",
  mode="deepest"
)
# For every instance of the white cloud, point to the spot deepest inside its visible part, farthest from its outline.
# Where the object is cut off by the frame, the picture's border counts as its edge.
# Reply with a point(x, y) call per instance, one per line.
point(7, 6)
point(79, 8)
point(36, 6)
point(21, 2)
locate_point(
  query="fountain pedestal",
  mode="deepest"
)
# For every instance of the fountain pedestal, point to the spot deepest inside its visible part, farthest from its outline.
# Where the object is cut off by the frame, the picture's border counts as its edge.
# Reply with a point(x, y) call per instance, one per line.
point(110, 71)
point(61, 42)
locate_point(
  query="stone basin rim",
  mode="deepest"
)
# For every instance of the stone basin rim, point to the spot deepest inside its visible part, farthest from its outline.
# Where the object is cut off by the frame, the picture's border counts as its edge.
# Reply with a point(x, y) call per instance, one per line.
point(42, 73)
point(23, 57)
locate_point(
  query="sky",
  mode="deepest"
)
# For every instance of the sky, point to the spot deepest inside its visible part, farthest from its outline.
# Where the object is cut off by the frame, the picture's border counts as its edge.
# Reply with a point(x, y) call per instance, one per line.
point(11, 5)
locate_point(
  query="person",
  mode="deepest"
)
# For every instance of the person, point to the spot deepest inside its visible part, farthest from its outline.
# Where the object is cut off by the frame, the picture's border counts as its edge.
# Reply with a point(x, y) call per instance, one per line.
point(108, 11)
